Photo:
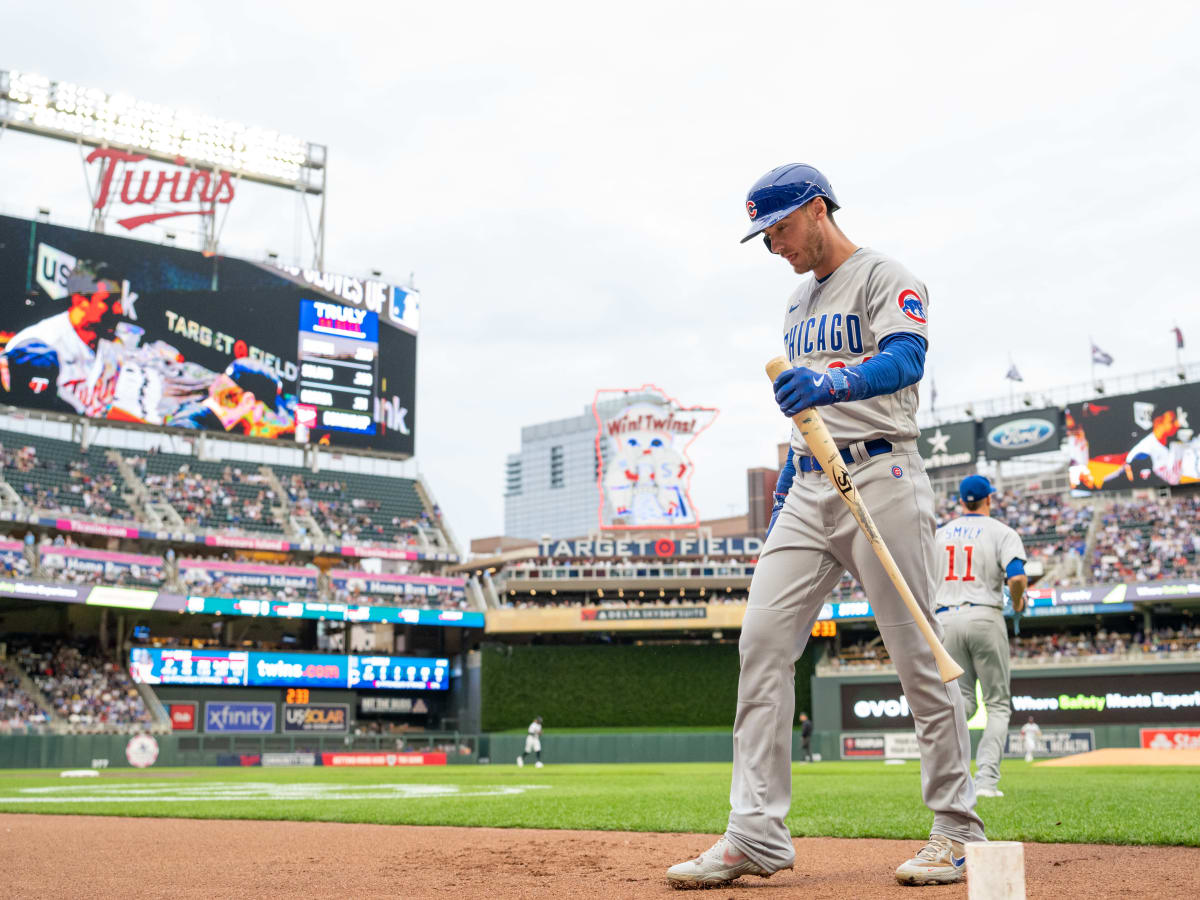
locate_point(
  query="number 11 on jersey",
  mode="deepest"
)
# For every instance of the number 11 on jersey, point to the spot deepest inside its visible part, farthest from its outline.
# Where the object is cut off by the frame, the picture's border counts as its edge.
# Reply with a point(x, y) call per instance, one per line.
point(968, 551)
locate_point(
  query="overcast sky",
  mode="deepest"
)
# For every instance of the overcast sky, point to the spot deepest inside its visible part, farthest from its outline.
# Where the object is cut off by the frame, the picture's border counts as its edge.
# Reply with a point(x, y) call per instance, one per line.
point(568, 185)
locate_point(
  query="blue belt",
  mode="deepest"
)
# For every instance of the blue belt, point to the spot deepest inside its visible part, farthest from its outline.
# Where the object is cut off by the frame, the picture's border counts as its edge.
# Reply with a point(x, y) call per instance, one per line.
point(874, 447)
point(942, 609)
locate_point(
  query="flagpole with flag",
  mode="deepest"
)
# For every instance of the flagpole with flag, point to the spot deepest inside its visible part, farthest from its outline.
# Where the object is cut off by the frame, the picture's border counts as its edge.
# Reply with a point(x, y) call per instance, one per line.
point(1178, 346)
point(1098, 356)
point(1012, 375)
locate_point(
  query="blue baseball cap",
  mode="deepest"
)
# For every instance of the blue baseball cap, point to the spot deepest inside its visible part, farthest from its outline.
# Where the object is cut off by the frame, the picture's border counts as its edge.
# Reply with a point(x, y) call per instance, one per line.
point(975, 487)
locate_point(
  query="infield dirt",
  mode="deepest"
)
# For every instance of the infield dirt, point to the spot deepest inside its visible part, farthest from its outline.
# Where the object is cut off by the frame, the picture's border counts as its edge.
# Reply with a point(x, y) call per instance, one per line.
point(98, 856)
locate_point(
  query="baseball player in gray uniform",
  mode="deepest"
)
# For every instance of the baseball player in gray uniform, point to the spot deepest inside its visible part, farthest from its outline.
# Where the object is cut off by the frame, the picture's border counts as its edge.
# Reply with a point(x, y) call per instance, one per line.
point(856, 334)
point(979, 554)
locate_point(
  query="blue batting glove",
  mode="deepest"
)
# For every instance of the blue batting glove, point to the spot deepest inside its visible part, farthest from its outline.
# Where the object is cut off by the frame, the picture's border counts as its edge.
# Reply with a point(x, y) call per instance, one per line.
point(801, 388)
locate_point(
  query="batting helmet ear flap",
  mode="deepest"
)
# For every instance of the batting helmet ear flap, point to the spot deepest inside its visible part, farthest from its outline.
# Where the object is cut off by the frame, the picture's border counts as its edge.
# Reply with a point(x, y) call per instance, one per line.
point(767, 241)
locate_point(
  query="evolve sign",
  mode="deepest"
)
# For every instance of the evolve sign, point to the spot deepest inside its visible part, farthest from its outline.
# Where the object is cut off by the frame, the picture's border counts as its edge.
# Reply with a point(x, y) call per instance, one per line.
point(122, 180)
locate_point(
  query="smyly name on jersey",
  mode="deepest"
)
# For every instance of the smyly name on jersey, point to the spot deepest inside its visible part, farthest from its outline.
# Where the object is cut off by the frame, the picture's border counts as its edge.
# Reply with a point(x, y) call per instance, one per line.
point(829, 333)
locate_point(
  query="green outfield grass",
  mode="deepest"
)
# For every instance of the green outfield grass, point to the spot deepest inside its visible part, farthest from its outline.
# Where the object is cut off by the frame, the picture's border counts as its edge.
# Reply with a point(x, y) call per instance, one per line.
point(1114, 805)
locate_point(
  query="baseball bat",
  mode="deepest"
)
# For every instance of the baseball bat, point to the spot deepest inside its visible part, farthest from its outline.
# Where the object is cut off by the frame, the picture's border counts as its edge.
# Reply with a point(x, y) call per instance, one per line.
point(822, 447)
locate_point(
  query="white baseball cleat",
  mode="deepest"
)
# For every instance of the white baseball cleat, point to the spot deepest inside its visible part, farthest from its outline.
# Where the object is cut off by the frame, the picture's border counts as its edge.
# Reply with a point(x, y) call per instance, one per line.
point(940, 861)
point(719, 865)
point(989, 792)
point(520, 761)
point(538, 764)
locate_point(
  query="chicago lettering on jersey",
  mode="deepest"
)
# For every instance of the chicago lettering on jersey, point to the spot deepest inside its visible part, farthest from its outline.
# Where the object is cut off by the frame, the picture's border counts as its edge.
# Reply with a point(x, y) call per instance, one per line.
point(829, 333)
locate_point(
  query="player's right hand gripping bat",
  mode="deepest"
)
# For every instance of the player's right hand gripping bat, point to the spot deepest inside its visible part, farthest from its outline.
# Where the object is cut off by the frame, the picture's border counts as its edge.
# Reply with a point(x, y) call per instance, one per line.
point(821, 445)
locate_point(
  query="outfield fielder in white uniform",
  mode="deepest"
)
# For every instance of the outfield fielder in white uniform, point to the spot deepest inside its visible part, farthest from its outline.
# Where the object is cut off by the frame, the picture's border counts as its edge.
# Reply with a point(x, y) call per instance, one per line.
point(533, 743)
point(856, 335)
point(1030, 733)
point(979, 554)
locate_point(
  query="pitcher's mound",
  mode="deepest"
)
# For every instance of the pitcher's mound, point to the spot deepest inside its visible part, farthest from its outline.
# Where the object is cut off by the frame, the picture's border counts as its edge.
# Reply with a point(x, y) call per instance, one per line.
point(1127, 756)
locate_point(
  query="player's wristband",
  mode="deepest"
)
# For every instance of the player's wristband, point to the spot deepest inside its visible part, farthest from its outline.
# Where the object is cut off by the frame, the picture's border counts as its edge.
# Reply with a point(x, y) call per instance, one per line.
point(840, 384)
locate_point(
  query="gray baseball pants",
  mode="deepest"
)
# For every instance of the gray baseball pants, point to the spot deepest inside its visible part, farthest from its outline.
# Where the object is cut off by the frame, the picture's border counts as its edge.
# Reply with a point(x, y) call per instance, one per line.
point(814, 539)
point(978, 640)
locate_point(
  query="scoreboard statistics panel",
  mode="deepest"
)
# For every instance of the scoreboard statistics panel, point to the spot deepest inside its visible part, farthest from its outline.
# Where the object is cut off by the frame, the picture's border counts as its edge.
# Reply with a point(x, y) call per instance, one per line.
point(339, 367)
point(398, 673)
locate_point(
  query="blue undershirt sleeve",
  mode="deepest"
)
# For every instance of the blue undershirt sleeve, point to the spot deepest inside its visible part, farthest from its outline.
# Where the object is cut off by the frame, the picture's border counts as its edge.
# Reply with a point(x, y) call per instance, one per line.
point(1014, 568)
point(900, 362)
point(786, 475)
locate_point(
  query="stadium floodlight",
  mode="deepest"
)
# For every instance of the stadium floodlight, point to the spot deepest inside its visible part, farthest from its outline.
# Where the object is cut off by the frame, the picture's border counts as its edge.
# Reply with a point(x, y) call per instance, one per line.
point(33, 103)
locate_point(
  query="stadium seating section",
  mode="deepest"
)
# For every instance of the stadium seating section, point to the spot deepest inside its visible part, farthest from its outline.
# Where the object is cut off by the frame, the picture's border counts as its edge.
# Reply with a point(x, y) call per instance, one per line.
point(55, 476)
point(79, 689)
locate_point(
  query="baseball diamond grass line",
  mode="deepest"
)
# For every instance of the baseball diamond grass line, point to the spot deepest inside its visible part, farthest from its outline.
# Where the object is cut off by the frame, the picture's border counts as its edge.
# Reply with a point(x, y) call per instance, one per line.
point(1102, 805)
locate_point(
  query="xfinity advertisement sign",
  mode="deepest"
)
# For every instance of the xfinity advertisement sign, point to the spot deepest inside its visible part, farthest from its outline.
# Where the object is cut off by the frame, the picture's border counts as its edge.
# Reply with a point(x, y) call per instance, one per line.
point(239, 718)
point(1073, 699)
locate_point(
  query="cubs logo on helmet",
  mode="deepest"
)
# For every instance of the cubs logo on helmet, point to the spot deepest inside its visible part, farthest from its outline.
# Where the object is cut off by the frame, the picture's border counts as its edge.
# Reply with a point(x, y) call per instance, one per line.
point(911, 306)
point(751, 208)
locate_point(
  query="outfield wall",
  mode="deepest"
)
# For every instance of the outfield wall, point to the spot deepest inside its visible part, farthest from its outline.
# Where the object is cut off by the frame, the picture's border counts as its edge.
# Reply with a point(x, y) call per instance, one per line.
point(616, 686)
point(83, 751)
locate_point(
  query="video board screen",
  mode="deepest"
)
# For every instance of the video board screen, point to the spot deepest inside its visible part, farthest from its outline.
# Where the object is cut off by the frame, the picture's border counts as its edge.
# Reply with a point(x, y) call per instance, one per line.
point(1134, 440)
point(253, 668)
point(112, 328)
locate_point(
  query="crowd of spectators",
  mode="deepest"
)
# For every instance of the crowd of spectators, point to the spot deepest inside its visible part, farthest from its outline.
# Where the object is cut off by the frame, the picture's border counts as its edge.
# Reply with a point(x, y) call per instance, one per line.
point(85, 690)
point(18, 710)
point(1103, 642)
point(342, 517)
point(618, 599)
point(214, 583)
point(204, 502)
point(1147, 540)
point(1098, 645)
point(445, 597)
point(91, 492)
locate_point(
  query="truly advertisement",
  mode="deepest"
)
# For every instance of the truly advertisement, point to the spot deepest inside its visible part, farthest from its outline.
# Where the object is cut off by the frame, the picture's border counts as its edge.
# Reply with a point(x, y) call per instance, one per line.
point(162, 665)
point(1143, 440)
point(1034, 431)
point(947, 445)
point(322, 718)
point(642, 437)
point(1073, 699)
point(111, 328)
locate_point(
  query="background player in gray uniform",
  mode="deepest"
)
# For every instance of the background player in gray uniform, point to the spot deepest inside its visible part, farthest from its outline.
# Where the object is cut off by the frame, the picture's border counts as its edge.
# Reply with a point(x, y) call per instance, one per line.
point(856, 335)
point(533, 743)
point(979, 554)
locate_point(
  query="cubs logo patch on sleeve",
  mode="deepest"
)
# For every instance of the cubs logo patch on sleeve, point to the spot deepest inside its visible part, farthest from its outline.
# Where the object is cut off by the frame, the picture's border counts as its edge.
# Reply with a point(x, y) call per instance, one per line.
point(911, 306)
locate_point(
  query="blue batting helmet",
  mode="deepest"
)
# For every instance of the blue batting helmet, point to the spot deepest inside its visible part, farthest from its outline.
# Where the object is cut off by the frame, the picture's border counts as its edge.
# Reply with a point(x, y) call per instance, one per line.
point(781, 192)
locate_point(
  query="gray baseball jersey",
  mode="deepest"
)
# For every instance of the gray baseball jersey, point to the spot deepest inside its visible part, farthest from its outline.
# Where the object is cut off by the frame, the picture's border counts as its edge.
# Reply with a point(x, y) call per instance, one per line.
point(975, 550)
point(840, 322)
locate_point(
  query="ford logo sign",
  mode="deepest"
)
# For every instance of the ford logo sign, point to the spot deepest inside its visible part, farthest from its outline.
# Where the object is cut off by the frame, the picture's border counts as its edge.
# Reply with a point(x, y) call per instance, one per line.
point(1020, 434)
